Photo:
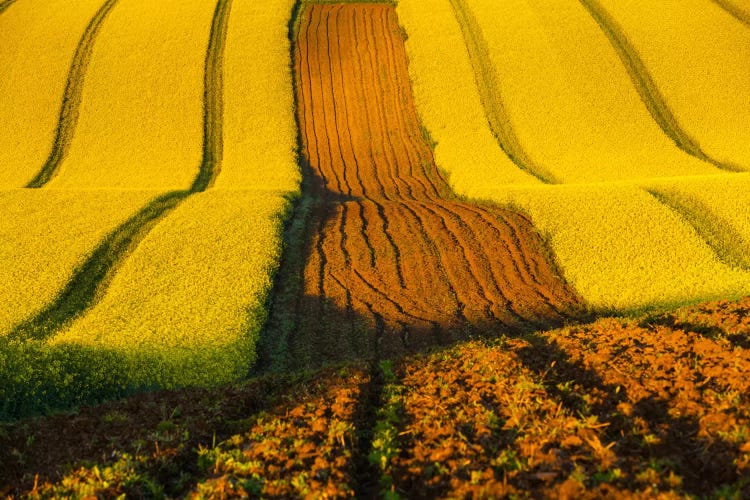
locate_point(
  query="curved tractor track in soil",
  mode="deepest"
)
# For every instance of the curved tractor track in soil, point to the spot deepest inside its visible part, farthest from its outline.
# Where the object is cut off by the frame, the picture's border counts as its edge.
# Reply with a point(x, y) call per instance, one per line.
point(390, 261)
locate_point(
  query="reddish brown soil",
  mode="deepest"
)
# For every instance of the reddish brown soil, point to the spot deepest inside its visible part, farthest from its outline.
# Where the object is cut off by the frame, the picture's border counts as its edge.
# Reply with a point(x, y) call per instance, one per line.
point(614, 409)
point(394, 262)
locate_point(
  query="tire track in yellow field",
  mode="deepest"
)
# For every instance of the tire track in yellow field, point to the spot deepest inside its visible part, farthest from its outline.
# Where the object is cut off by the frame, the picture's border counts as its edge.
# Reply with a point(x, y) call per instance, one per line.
point(489, 92)
point(71, 102)
point(742, 15)
point(5, 4)
point(90, 280)
point(726, 243)
point(647, 88)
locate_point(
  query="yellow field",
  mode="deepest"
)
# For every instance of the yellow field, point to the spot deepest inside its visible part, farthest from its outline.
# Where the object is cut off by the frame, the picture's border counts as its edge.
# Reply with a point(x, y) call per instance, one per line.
point(259, 129)
point(696, 53)
point(140, 123)
point(193, 293)
point(613, 124)
point(45, 235)
point(444, 88)
point(179, 297)
point(35, 56)
point(569, 97)
point(641, 223)
point(624, 250)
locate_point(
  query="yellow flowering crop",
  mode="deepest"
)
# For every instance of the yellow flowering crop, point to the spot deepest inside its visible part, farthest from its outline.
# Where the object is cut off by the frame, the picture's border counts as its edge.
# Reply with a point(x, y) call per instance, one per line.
point(45, 235)
point(193, 293)
point(698, 55)
point(447, 99)
point(35, 56)
point(260, 132)
point(140, 122)
point(623, 249)
point(569, 97)
point(638, 222)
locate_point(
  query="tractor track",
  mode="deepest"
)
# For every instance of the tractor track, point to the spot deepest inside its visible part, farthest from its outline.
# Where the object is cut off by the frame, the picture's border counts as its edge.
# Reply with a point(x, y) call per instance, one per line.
point(739, 13)
point(392, 262)
point(5, 4)
point(647, 88)
point(66, 124)
point(91, 279)
point(489, 92)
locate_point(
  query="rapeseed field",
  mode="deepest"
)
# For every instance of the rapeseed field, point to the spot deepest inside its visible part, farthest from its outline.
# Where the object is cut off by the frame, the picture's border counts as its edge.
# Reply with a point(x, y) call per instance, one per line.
point(35, 62)
point(599, 97)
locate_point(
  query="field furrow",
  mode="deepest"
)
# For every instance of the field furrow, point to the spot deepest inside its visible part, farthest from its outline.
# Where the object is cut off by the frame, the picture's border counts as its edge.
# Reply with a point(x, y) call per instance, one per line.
point(133, 299)
point(46, 238)
point(571, 100)
point(213, 100)
point(202, 315)
point(5, 4)
point(736, 9)
point(488, 85)
point(718, 234)
point(91, 280)
point(395, 263)
point(37, 58)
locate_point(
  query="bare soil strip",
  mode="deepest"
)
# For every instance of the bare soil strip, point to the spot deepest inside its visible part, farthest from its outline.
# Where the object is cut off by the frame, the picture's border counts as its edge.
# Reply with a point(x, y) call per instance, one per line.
point(394, 262)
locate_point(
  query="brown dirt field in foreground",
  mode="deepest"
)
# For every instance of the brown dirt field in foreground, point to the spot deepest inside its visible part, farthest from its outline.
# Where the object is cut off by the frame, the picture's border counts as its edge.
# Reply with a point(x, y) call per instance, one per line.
point(393, 261)
point(657, 407)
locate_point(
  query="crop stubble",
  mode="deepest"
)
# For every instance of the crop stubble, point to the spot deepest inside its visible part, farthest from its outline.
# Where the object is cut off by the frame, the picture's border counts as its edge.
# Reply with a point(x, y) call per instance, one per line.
point(394, 261)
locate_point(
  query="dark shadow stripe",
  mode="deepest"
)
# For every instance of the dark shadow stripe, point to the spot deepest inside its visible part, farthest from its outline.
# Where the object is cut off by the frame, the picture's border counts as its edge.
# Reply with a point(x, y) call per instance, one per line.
point(71, 102)
point(733, 10)
point(5, 4)
point(728, 245)
point(91, 280)
point(93, 277)
point(647, 88)
point(213, 100)
point(487, 81)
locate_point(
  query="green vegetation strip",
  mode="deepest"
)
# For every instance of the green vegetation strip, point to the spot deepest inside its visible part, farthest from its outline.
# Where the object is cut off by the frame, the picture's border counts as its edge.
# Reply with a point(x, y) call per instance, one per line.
point(385, 439)
point(71, 102)
point(647, 88)
point(213, 100)
point(728, 245)
point(489, 92)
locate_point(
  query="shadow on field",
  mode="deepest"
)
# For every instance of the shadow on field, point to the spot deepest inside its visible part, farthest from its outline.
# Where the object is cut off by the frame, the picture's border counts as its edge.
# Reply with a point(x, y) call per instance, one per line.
point(163, 431)
point(678, 444)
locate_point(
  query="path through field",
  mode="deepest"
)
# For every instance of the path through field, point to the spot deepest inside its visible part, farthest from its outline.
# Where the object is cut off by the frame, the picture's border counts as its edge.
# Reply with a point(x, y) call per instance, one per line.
point(392, 261)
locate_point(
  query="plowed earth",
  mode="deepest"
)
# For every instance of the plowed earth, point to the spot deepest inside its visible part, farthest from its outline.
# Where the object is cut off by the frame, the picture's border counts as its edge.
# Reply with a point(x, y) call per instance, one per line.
point(651, 408)
point(394, 262)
